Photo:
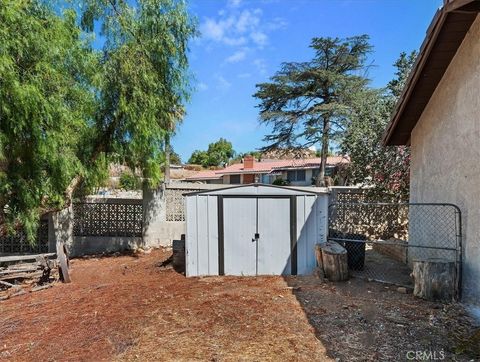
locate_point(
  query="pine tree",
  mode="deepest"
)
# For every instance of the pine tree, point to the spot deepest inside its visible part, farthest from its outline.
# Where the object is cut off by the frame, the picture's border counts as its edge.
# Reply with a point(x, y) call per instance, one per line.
point(309, 103)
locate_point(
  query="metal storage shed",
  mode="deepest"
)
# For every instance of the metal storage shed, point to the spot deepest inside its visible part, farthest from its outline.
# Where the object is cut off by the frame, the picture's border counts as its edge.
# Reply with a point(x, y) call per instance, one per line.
point(254, 230)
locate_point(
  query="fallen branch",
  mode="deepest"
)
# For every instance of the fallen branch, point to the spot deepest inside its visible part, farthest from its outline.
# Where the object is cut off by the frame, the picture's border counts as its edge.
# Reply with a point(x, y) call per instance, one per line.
point(41, 287)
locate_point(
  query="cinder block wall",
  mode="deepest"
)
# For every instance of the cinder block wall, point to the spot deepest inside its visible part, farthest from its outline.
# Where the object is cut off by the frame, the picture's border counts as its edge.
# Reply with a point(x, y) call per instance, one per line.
point(61, 231)
point(158, 230)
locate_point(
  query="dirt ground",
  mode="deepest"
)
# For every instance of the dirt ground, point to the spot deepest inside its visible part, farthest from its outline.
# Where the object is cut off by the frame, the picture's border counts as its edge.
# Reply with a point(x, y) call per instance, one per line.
point(133, 308)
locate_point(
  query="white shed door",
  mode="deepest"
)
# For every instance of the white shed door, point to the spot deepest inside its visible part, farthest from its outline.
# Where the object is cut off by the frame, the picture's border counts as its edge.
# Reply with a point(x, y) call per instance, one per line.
point(274, 250)
point(240, 226)
point(246, 218)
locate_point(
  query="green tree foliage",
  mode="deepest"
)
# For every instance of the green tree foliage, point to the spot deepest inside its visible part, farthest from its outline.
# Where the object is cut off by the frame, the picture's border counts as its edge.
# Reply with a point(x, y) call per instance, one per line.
point(145, 80)
point(218, 154)
point(386, 169)
point(309, 103)
point(46, 104)
point(175, 158)
point(67, 110)
point(199, 158)
point(128, 181)
point(256, 154)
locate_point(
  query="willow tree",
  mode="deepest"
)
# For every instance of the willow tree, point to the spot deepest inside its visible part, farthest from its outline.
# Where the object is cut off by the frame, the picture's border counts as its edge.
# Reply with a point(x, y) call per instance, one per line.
point(46, 104)
point(67, 110)
point(309, 103)
point(144, 78)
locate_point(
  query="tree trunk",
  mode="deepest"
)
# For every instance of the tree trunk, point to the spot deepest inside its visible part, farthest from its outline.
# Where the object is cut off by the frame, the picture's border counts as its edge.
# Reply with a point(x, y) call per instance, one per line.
point(167, 158)
point(320, 181)
point(434, 279)
point(332, 258)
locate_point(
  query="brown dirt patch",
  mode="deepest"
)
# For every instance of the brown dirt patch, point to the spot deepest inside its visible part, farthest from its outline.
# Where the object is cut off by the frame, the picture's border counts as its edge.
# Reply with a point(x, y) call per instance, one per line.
point(131, 308)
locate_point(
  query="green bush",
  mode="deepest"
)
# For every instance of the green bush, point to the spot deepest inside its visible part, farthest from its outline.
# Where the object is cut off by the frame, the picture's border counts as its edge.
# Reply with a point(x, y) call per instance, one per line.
point(281, 182)
point(128, 181)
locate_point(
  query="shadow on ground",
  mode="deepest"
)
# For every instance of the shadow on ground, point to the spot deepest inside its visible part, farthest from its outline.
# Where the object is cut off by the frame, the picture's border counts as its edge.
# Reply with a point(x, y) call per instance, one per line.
point(359, 320)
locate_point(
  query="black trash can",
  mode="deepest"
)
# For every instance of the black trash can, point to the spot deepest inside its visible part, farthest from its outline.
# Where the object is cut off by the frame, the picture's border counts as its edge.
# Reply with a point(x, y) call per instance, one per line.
point(355, 250)
point(178, 257)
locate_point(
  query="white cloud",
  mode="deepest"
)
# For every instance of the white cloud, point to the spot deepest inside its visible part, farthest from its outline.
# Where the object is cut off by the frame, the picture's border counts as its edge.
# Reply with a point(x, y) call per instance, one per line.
point(261, 65)
point(277, 23)
point(222, 83)
point(259, 38)
point(248, 20)
point(234, 3)
point(214, 30)
point(202, 86)
point(240, 27)
point(235, 41)
point(236, 57)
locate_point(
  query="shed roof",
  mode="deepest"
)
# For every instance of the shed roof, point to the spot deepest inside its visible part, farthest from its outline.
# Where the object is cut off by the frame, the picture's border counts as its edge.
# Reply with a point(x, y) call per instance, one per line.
point(256, 190)
point(444, 36)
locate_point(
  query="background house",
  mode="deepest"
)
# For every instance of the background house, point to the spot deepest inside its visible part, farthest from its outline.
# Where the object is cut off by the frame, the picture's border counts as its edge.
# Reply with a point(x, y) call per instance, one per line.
point(298, 172)
point(438, 116)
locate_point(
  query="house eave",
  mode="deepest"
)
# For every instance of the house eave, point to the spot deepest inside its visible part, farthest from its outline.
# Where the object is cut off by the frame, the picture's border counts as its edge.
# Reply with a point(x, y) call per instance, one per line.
point(444, 36)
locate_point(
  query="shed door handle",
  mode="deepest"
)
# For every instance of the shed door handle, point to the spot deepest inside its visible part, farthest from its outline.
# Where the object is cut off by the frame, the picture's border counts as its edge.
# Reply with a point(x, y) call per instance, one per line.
point(257, 236)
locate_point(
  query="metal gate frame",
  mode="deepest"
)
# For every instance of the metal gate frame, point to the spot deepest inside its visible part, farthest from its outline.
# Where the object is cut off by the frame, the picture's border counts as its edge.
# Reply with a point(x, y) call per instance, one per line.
point(458, 249)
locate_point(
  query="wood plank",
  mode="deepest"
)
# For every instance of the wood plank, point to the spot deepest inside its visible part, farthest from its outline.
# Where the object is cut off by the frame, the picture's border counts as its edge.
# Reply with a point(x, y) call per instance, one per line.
point(10, 258)
point(41, 287)
point(10, 285)
point(22, 270)
point(21, 275)
point(63, 262)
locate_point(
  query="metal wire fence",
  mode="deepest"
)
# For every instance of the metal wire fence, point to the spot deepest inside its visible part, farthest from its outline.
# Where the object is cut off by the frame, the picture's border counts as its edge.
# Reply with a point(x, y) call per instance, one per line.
point(383, 239)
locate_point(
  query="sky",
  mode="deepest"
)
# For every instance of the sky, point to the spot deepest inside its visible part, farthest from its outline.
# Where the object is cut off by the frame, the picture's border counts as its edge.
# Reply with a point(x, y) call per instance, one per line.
point(244, 42)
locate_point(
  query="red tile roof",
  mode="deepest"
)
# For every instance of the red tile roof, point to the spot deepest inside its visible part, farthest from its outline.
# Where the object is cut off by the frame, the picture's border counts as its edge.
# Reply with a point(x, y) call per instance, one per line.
point(268, 166)
point(205, 175)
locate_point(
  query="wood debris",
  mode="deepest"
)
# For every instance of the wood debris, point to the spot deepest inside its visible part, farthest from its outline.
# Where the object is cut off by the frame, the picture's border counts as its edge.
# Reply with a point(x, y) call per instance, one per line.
point(22, 274)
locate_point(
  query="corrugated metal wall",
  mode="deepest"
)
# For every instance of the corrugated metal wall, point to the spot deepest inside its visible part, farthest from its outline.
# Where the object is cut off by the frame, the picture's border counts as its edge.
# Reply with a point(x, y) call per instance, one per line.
point(266, 211)
point(312, 228)
point(201, 242)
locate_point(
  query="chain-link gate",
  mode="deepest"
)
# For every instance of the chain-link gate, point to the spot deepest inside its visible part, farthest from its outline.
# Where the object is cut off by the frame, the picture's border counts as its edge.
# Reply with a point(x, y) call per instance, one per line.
point(383, 239)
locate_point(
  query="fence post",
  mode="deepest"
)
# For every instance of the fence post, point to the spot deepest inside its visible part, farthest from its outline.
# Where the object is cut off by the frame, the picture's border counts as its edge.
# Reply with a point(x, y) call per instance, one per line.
point(154, 215)
point(62, 223)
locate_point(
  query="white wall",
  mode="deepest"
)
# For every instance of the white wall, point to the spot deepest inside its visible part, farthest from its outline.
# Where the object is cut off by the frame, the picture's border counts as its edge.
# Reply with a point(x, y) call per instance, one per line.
point(445, 144)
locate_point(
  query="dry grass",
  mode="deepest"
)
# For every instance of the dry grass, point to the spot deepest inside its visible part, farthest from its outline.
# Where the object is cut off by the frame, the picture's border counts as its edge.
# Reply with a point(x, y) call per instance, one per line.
point(130, 308)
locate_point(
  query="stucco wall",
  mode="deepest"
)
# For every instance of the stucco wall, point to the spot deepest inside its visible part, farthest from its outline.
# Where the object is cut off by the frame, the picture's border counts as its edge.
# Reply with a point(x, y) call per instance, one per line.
point(446, 152)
